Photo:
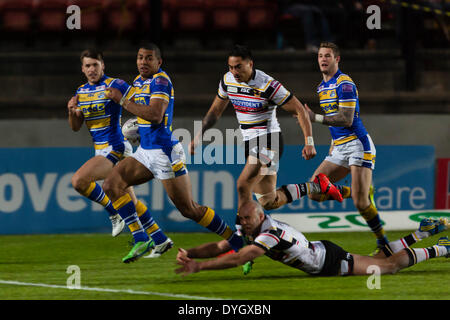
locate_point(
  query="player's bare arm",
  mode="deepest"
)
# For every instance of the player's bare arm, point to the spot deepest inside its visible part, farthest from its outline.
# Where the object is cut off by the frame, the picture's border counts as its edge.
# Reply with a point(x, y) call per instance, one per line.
point(232, 260)
point(344, 118)
point(153, 113)
point(295, 107)
point(214, 113)
point(206, 250)
point(76, 117)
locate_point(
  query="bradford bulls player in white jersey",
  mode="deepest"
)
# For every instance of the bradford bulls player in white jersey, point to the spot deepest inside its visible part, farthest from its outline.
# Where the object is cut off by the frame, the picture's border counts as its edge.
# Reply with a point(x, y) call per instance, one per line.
point(281, 242)
point(255, 97)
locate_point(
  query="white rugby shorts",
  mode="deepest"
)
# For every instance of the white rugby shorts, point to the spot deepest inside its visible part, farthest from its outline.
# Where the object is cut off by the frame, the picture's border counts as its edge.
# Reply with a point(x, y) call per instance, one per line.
point(116, 153)
point(354, 153)
point(163, 166)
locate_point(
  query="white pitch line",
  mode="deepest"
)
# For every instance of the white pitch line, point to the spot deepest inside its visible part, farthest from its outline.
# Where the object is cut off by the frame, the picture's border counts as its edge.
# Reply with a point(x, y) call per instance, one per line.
point(149, 293)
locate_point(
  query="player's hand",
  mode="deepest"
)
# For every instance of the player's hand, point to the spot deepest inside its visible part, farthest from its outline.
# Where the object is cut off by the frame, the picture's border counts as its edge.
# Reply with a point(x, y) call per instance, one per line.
point(193, 145)
point(188, 265)
point(309, 152)
point(310, 113)
point(113, 94)
point(72, 106)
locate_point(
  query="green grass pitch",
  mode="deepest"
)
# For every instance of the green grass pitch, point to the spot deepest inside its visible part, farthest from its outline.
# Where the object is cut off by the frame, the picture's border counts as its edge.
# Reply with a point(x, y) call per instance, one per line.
point(35, 263)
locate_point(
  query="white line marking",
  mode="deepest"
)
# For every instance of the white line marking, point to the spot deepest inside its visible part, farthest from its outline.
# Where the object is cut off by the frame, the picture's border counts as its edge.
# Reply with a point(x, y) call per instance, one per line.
point(149, 293)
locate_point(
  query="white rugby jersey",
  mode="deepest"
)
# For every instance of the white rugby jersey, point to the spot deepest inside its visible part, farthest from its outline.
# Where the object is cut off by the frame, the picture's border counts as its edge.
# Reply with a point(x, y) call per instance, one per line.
point(285, 244)
point(255, 102)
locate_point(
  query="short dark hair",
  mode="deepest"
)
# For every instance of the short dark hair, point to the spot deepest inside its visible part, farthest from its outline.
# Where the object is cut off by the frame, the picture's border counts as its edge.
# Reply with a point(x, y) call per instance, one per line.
point(241, 51)
point(151, 46)
point(331, 46)
point(91, 53)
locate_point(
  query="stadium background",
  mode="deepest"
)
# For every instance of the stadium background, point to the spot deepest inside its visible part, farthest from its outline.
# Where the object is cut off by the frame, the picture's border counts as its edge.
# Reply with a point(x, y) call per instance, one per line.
point(401, 72)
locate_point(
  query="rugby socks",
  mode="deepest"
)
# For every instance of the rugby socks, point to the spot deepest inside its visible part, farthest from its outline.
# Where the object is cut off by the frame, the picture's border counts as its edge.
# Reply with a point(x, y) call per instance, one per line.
point(296, 191)
point(95, 193)
point(126, 209)
point(148, 224)
point(370, 214)
point(422, 254)
point(213, 222)
point(345, 191)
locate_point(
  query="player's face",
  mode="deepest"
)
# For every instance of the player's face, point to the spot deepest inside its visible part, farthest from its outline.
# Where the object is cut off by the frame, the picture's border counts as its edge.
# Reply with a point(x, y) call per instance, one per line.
point(328, 63)
point(250, 220)
point(241, 69)
point(147, 63)
point(93, 69)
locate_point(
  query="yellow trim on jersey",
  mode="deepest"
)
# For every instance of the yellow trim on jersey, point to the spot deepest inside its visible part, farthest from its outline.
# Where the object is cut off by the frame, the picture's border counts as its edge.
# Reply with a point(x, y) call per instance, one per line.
point(123, 200)
point(264, 244)
point(285, 97)
point(142, 121)
point(109, 80)
point(252, 122)
point(99, 123)
point(247, 86)
point(101, 146)
point(160, 96)
point(344, 140)
point(348, 104)
point(343, 77)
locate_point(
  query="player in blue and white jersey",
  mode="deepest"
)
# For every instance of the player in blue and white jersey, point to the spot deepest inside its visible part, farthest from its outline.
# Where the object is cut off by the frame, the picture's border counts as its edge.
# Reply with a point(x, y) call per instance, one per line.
point(159, 155)
point(102, 116)
point(281, 242)
point(352, 150)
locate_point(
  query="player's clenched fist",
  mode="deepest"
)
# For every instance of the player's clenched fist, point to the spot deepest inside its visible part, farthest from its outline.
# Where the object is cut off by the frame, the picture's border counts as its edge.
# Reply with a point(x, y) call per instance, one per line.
point(113, 94)
point(72, 105)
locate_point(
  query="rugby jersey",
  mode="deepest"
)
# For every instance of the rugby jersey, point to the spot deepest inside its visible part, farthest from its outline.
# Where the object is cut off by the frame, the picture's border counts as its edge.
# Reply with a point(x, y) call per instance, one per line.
point(159, 86)
point(254, 102)
point(285, 244)
point(102, 115)
point(341, 91)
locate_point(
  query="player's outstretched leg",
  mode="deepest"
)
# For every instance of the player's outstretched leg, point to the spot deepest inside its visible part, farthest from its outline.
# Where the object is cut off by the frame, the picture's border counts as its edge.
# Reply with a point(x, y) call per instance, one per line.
point(142, 243)
point(162, 242)
point(427, 227)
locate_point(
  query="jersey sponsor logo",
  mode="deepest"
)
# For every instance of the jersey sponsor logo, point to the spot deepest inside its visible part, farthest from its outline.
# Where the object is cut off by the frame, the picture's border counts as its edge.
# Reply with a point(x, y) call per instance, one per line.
point(232, 89)
point(162, 81)
point(245, 90)
point(274, 84)
point(347, 88)
point(249, 104)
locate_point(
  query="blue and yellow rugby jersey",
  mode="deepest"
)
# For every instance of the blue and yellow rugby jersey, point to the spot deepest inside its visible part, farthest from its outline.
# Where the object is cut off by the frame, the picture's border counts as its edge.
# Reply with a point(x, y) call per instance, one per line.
point(159, 86)
point(102, 115)
point(341, 91)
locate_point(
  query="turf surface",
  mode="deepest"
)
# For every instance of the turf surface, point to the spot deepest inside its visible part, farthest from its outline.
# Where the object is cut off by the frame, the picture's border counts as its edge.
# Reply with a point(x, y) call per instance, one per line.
point(43, 260)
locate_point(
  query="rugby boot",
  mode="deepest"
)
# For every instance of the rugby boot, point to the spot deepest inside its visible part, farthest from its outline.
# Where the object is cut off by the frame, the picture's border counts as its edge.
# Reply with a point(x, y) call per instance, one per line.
point(328, 188)
point(434, 226)
point(117, 225)
point(139, 249)
point(160, 249)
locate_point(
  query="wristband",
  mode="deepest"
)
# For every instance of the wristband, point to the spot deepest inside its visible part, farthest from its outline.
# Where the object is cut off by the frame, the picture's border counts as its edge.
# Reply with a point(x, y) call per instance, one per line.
point(318, 118)
point(309, 141)
point(122, 100)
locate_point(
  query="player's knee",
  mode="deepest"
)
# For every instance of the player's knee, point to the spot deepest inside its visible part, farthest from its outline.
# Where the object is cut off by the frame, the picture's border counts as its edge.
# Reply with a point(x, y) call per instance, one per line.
point(79, 183)
point(191, 211)
point(361, 201)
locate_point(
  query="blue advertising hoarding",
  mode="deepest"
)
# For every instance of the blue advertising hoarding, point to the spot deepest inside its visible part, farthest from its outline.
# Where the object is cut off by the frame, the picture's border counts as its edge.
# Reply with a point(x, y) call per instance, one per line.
point(36, 195)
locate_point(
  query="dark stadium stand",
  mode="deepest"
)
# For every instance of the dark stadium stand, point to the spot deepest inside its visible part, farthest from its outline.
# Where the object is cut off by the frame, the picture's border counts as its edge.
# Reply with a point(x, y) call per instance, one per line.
point(43, 66)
